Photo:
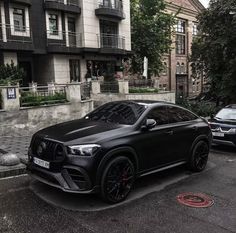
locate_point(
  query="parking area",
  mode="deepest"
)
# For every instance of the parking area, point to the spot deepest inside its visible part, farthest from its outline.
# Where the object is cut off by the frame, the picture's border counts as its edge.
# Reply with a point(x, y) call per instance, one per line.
point(152, 207)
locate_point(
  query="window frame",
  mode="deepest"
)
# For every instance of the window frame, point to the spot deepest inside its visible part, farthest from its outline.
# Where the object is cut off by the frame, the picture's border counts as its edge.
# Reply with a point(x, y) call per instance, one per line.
point(26, 32)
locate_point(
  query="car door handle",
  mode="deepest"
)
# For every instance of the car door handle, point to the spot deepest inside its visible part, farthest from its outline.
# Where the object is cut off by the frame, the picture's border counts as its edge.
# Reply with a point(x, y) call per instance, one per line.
point(171, 132)
point(195, 128)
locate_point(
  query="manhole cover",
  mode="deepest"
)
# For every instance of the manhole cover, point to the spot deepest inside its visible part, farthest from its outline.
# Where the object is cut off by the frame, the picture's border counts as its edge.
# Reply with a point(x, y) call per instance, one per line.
point(197, 200)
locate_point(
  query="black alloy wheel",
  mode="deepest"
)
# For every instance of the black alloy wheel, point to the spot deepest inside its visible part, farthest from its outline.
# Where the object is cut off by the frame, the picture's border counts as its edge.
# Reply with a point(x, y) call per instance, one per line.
point(117, 180)
point(199, 156)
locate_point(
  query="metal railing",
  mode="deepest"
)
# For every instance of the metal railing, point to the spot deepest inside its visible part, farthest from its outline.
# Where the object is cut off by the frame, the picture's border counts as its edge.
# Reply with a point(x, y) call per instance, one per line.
point(69, 2)
point(111, 4)
point(42, 95)
point(64, 39)
point(73, 2)
point(111, 41)
point(85, 89)
point(109, 87)
point(15, 33)
point(141, 83)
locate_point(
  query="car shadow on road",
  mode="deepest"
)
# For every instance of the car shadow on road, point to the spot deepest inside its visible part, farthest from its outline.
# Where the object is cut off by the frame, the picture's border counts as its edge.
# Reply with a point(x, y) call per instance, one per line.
point(87, 203)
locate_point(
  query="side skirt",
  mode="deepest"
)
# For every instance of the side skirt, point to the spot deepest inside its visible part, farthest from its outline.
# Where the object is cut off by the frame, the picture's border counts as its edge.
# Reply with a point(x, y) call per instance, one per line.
point(162, 168)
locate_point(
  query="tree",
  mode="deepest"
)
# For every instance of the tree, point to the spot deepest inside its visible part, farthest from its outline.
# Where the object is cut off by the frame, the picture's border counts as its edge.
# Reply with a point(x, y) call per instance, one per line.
point(11, 74)
point(151, 34)
point(214, 51)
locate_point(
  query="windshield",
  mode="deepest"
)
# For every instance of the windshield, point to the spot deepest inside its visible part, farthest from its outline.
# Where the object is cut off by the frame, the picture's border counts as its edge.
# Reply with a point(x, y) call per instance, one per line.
point(227, 114)
point(125, 113)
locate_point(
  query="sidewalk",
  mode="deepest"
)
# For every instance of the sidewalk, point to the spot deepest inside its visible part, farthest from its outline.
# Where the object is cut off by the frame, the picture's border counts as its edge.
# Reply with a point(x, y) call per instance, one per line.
point(17, 145)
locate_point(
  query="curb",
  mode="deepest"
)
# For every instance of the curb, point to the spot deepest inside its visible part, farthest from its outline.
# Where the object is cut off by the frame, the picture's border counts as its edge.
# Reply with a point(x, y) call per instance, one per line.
point(8, 171)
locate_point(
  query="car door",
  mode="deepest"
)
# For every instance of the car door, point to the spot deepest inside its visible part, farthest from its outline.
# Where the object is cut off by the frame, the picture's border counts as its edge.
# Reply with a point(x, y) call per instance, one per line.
point(153, 145)
point(184, 126)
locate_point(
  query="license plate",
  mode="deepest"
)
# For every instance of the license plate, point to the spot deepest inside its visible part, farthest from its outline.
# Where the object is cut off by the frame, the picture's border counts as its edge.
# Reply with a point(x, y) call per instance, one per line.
point(41, 163)
point(218, 134)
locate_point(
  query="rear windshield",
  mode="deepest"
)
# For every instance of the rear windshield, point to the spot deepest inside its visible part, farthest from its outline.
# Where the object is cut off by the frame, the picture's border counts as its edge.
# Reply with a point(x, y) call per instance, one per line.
point(227, 114)
point(125, 113)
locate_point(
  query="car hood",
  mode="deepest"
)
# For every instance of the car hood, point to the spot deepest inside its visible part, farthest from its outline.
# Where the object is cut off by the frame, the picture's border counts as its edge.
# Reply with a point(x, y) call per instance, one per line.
point(81, 131)
point(216, 121)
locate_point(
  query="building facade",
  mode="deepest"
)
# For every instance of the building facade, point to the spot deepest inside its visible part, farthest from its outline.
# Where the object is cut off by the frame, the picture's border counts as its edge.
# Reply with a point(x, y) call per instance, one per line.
point(64, 40)
point(176, 75)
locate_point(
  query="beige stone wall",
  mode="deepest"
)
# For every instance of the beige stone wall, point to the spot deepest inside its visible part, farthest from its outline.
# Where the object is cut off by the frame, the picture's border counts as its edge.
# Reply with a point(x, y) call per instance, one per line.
point(31, 120)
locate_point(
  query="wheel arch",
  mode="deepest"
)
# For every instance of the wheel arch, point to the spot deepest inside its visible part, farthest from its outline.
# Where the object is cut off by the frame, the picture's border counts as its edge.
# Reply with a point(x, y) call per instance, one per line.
point(121, 151)
point(198, 139)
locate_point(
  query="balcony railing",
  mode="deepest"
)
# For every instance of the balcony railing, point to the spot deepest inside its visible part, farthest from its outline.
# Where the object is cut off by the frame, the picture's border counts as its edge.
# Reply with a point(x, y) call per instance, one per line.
point(64, 39)
point(111, 41)
point(13, 33)
point(112, 8)
point(69, 2)
point(112, 4)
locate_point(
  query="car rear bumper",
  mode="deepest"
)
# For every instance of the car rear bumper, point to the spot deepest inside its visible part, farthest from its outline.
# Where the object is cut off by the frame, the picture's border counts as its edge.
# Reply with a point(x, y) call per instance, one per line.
point(70, 179)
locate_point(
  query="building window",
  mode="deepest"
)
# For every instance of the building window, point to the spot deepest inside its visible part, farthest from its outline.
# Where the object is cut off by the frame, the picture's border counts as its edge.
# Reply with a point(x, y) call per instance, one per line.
point(74, 70)
point(19, 19)
point(178, 68)
point(53, 24)
point(183, 69)
point(180, 27)
point(164, 70)
point(180, 44)
point(195, 30)
point(180, 37)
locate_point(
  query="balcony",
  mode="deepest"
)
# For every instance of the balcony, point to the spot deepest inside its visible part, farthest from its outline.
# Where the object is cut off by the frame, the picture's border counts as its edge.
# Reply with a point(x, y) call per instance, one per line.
point(16, 38)
point(25, 2)
point(110, 9)
point(111, 44)
point(72, 6)
point(64, 42)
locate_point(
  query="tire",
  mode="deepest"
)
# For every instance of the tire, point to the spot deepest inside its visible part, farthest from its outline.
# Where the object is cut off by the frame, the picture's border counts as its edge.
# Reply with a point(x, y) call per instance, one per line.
point(117, 180)
point(199, 157)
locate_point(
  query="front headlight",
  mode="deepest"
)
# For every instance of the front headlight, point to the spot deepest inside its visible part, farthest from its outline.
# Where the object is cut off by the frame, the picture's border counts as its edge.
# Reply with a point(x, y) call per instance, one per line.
point(232, 131)
point(83, 150)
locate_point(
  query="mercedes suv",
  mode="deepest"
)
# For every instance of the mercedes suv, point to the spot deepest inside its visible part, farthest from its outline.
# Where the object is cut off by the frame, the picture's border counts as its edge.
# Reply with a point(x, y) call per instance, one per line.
point(115, 144)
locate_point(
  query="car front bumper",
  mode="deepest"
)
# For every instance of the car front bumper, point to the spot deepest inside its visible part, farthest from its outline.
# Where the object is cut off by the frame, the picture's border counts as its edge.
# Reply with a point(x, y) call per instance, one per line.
point(70, 179)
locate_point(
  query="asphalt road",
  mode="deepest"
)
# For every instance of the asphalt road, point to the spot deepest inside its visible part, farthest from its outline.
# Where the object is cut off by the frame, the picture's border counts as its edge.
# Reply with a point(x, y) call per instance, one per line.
point(27, 206)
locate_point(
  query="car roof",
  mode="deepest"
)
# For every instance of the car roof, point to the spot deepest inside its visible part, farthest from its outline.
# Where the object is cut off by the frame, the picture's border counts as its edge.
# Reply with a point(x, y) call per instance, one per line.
point(146, 102)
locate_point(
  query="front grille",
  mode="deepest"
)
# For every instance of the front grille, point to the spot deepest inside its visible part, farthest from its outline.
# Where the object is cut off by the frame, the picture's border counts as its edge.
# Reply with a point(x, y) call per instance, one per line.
point(50, 150)
point(225, 128)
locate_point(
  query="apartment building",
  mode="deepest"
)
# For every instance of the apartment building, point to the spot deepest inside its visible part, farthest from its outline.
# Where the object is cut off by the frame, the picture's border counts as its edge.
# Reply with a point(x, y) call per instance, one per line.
point(177, 74)
point(64, 40)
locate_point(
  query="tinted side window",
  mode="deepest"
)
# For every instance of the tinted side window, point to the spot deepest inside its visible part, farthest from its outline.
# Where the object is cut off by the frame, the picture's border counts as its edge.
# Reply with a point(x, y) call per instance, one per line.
point(179, 115)
point(159, 114)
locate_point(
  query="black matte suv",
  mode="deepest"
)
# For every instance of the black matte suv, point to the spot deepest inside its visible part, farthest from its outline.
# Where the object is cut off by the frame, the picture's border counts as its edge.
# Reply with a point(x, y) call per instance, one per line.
point(118, 142)
point(223, 126)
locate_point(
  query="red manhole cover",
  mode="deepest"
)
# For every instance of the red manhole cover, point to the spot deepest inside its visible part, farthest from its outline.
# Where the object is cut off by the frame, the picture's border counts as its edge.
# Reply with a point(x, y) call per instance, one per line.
point(197, 200)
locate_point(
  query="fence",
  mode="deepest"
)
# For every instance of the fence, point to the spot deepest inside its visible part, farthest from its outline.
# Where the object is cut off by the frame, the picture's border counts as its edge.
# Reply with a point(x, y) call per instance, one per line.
point(141, 83)
point(109, 87)
point(42, 95)
point(15, 33)
point(64, 39)
point(111, 41)
point(85, 90)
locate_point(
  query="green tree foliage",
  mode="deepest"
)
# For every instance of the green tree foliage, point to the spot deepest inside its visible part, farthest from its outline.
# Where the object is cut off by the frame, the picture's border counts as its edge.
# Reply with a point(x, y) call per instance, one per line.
point(151, 34)
point(214, 51)
point(11, 74)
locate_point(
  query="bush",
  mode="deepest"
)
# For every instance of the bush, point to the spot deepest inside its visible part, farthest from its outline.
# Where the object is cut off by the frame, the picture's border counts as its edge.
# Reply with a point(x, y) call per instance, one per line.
point(143, 90)
point(11, 74)
point(31, 99)
point(201, 108)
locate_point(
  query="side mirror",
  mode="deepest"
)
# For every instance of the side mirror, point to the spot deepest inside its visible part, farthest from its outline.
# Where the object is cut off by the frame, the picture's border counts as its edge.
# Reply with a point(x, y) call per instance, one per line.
point(149, 124)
